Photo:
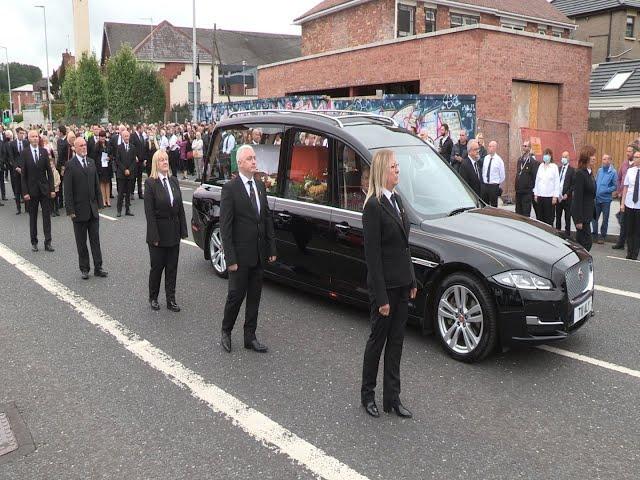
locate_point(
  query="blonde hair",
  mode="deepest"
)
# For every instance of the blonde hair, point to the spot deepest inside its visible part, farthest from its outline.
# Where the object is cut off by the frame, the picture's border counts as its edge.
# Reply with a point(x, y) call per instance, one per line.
point(159, 155)
point(378, 173)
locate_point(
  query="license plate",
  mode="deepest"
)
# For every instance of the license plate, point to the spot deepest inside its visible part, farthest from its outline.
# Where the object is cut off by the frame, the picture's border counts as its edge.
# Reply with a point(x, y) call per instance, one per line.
point(582, 310)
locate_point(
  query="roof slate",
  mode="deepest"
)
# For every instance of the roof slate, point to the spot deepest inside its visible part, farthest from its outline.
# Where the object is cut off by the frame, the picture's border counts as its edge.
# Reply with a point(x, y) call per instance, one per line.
point(601, 75)
point(572, 8)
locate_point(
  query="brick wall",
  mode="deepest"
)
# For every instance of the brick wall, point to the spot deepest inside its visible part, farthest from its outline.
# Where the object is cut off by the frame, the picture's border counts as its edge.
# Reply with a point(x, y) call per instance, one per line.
point(169, 73)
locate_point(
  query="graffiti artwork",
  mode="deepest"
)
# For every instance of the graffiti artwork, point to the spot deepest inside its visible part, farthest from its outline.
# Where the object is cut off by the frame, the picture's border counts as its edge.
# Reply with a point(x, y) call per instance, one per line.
point(414, 112)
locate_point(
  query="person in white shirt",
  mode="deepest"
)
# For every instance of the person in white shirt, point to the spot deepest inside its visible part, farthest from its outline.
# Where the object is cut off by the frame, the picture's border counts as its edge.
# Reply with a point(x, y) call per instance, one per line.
point(631, 209)
point(174, 152)
point(545, 191)
point(492, 175)
point(164, 142)
point(198, 155)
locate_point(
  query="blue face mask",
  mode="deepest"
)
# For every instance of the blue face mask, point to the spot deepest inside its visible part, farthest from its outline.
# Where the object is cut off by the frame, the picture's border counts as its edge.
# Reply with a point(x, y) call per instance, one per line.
point(565, 160)
point(546, 158)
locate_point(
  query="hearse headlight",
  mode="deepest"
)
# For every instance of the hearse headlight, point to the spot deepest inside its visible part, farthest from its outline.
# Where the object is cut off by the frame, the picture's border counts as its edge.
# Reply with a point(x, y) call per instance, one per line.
point(523, 280)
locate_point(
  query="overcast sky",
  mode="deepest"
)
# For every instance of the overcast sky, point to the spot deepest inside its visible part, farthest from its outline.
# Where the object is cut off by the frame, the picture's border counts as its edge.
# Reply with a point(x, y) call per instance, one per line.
point(23, 26)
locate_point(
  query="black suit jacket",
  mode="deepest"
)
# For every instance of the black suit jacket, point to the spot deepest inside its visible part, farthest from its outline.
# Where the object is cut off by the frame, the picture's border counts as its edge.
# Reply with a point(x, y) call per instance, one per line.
point(445, 147)
point(166, 223)
point(91, 146)
point(82, 196)
point(468, 174)
point(13, 154)
point(125, 160)
point(583, 203)
point(526, 172)
point(138, 144)
point(246, 240)
point(386, 248)
point(37, 177)
point(569, 180)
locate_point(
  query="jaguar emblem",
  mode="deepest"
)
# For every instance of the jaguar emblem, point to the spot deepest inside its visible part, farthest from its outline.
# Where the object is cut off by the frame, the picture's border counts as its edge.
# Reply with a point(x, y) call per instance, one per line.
point(580, 274)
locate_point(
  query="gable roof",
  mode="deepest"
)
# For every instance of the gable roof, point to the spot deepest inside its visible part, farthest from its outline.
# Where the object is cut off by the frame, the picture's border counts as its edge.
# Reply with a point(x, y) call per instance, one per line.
point(169, 43)
point(581, 7)
point(534, 9)
point(604, 72)
point(27, 87)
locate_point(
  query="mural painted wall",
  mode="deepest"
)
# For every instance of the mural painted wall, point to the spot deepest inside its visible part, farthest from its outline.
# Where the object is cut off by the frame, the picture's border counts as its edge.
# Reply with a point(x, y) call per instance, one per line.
point(414, 112)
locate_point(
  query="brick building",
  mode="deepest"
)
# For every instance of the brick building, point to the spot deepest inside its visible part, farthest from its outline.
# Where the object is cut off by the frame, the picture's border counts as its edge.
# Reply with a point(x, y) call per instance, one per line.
point(23, 97)
point(516, 57)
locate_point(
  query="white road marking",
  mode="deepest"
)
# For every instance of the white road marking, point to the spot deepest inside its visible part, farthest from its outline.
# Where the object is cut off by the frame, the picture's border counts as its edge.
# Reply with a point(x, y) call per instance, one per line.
point(592, 361)
point(623, 259)
point(615, 291)
point(187, 203)
point(189, 242)
point(107, 217)
point(254, 423)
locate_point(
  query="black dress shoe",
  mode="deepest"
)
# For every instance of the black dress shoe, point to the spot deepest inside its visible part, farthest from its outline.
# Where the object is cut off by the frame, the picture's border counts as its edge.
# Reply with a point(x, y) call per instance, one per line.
point(18, 212)
point(154, 304)
point(371, 408)
point(618, 246)
point(49, 248)
point(100, 273)
point(256, 346)
point(173, 306)
point(129, 214)
point(225, 341)
point(399, 409)
point(119, 214)
point(34, 247)
point(85, 275)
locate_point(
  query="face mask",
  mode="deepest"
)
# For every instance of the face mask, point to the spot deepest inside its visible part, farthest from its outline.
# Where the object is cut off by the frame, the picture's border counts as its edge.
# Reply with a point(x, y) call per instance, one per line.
point(546, 158)
point(565, 160)
point(605, 168)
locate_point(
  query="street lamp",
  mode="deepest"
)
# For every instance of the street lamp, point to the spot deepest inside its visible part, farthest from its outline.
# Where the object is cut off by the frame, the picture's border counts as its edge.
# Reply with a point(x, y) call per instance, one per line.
point(46, 50)
point(6, 52)
point(244, 80)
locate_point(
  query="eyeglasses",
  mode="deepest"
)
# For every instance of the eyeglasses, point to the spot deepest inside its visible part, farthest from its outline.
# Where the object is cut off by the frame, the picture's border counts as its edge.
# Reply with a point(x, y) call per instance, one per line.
point(525, 146)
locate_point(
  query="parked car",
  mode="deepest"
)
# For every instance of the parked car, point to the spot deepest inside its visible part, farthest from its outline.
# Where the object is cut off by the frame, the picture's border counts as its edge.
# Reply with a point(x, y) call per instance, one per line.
point(487, 277)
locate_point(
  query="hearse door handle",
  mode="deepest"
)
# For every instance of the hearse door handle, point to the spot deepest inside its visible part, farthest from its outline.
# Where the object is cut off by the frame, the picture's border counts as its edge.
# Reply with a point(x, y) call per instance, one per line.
point(342, 226)
point(284, 216)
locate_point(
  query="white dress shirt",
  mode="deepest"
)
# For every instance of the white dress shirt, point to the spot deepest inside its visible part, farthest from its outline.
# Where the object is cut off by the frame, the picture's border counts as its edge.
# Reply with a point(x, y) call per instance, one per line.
point(173, 143)
point(246, 187)
point(161, 177)
point(228, 144)
point(630, 181)
point(164, 143)
point(562, 176)
point(35, 154)
point(496, 175)
point(547, 181)
point(388, 194)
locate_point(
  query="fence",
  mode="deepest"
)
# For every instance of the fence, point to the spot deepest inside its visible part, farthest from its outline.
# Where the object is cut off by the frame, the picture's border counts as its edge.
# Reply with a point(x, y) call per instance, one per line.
point(612, 143)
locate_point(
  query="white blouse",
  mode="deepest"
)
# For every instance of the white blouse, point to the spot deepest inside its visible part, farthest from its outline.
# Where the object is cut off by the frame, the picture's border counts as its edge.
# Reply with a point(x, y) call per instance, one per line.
point(547, 181)
point(630, 181)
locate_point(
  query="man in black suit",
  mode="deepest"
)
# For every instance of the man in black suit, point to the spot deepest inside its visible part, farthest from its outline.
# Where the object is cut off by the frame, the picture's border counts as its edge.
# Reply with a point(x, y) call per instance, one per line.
point(13, 152)
point(459, 151)
point(526, 172)
point(37, 188)
point(83, 199)
point(4, 166)
point(91, 143)
point(137, 140)
point(248, 237)
point(125, 172)
point(563, 206)
point(471, 167)
point(444, 142)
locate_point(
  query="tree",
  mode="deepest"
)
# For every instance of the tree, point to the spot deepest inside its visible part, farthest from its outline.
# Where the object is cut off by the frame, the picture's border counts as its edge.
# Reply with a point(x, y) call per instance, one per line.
point(150, 101)
point(4, 102)
point(21, 74)
point(91, 100)
point(70, 93)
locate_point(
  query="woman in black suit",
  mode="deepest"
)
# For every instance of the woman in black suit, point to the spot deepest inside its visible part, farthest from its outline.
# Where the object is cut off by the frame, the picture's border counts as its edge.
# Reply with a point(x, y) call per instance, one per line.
point(584, 193)
point(105, 170)
point(390, 280)
point(166, 225)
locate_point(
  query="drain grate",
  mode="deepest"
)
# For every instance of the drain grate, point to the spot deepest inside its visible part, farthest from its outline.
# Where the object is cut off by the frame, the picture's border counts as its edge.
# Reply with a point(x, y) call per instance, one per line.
point(15, 439)
point(8, 442)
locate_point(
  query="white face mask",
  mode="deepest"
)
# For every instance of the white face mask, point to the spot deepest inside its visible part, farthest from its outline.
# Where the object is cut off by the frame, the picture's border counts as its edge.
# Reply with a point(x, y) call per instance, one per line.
point(565, 160)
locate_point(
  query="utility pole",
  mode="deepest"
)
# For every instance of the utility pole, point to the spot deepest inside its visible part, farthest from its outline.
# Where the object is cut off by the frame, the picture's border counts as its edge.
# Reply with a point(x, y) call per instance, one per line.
point(6, 52)
point(46, 50)
point(214, 64)
point(195, 84)
point(226, 80)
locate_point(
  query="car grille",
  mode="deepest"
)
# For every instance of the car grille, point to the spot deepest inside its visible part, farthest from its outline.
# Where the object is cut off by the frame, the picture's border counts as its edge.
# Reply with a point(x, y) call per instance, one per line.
point(579, 279)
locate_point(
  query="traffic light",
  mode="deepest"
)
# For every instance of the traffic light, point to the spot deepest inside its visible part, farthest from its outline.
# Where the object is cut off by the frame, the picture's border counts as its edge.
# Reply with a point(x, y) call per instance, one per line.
point(6, 117)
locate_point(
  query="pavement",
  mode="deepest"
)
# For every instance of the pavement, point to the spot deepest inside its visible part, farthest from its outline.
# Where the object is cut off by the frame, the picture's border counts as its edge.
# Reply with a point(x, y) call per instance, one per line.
point(110, 389)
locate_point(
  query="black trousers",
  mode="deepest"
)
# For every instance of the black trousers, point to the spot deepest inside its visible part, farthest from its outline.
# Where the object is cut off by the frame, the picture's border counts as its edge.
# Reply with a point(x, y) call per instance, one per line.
point(16, 184)
point(163, 259)
point(584, 237)
point(545, 210)
point(564, 208)
point(244, 282)
point(622, 238)
point(387, 333)
point(138, 180)
point(489, 193)
point(33, 207)
point(632, 220)
point(60, 195)
point(92, 229)
point(523, 203)
point(3, 190)
point(124, 193)
point(174, 161)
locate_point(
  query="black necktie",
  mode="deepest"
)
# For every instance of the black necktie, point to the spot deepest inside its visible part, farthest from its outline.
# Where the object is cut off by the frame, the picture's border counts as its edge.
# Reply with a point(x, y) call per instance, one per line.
point(19, 146)
point(35, 156)
point(252, 197)
point(83, 162)
point(394, 202)
point(489, 170)
point(635, 190)
point(166, 186)
point(126, 147)
point(475, 166)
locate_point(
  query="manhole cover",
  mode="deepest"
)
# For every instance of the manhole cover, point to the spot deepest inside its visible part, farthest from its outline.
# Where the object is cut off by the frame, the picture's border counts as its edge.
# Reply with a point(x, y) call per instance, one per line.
point(8, 442)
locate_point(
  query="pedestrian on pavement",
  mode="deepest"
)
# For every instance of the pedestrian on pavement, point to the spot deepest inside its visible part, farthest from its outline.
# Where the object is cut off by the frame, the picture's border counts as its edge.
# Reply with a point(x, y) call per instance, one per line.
point(248, 237)
point(565, 193)
point(492, 175)
point(37, 189)
point(545, 191)
point(125, 173)
point(83, 199)
point(444, 142)
point(390, 280)
point(628, 161)
point(471, 167)
point(198, 156)
point(174, 152)
point(4, 165)
point(606, 184)
point(584, 192)
point(14, 154)
point(483, 149)
point(56, 187)
point(137, 141)
point(166, 226)
point(631, 208)
point(104, 166)
point(526, 172)
point(459, 151)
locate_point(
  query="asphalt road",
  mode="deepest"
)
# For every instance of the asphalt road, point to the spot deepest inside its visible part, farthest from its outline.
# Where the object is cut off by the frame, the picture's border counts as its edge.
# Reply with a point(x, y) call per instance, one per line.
point(96, 410)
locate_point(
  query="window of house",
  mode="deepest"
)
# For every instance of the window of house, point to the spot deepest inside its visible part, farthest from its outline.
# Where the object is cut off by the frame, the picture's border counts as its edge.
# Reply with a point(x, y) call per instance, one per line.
point(557, 34)
point(617, 81)
point(542, 31)
point(511, 26)
point(430, 20)
point(458, 20)
point(307, 179)
point(631, 22)
point(406, 20)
